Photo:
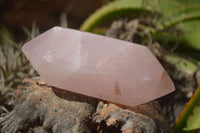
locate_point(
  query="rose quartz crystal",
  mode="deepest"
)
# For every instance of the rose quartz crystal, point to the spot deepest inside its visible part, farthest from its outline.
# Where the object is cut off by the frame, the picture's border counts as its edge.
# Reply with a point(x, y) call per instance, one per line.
point(98, 66)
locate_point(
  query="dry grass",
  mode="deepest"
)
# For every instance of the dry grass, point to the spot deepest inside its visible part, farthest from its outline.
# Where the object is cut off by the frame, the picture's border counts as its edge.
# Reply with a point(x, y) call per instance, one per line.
point(13, 66)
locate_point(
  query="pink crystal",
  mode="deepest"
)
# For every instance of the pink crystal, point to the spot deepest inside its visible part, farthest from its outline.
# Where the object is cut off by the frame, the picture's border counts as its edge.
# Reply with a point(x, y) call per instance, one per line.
point(98, 66)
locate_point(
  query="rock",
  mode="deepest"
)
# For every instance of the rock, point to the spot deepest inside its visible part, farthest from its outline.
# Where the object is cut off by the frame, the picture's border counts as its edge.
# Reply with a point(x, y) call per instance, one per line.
point(39, 107)
point(56, 110)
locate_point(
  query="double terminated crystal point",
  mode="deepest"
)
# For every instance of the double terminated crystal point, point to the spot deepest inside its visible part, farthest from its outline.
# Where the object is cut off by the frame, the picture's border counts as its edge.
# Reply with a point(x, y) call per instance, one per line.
point(98, 66)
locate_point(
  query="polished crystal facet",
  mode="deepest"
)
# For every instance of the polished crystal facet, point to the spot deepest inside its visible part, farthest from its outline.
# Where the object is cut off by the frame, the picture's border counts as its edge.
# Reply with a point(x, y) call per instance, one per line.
point(98, 66)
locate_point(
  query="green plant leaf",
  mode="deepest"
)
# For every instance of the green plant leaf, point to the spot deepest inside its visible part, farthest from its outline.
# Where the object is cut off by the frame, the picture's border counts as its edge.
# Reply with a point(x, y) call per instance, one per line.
point(179, 15)
point(182, 63)
point(186, 19)
point(191, 33)
point(189, 120)
point(111, 10)
point(124, 7)
point(189, 1)
point(174, 13)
